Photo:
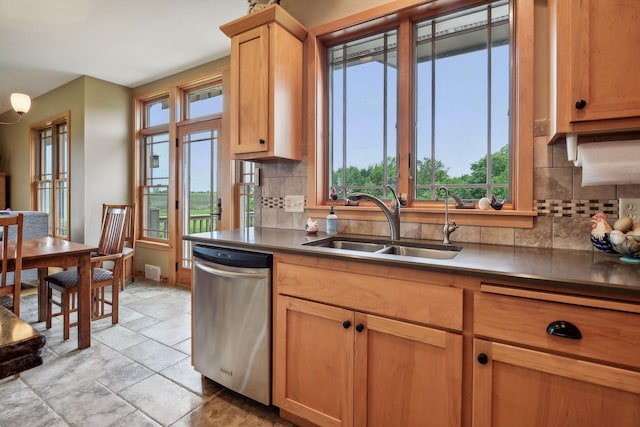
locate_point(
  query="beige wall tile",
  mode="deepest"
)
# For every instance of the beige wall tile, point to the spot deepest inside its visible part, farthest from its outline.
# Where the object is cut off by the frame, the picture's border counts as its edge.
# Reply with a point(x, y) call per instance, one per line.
point(466, 234)
point(360, 227)
point(629, 190)
point(540, 236)
point(497, 236)
point(409, 230)
point(572, 233)
point(294, 186)
point(541, 152)
point(284, 219)
point(285, 167)
point(552, 183)
point(268, 217)
point(431, 231)
point(559, 155)
point(274, 187)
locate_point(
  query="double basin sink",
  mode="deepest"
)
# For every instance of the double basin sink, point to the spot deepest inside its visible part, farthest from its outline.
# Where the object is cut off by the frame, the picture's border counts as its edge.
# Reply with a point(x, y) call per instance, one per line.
point(401, 248)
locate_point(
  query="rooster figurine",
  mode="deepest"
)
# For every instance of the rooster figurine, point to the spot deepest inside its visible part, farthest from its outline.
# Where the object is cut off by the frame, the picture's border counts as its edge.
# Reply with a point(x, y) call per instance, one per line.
point(599, 233)
point(496, 204)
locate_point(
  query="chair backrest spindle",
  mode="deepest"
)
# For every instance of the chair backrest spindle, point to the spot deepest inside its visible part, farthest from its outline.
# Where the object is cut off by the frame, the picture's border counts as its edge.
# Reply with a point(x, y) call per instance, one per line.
point(11, 251)
point(112, 234)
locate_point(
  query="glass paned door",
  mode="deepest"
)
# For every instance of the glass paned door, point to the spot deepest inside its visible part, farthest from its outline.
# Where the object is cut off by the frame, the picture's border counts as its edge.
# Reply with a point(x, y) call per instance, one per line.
point(199, 207)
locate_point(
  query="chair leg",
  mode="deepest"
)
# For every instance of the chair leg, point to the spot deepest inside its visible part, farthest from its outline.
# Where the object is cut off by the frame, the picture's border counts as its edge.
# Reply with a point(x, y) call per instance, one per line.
point(115, 297)
point(49, 306)
point(65, 299)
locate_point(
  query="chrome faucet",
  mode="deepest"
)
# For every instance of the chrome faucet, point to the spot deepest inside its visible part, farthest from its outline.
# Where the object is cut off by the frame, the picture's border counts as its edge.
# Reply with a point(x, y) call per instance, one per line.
point(448, 228)
point(392, 214)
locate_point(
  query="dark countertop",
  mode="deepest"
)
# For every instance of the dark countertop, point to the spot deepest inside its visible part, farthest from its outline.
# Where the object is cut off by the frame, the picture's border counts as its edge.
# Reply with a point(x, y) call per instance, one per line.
point(586, 271)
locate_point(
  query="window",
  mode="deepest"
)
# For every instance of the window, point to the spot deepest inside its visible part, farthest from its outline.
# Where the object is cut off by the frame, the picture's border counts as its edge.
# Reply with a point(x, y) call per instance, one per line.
point(155, 188)
point(363, 79)
point(155, 168)
point(204, 101)
point(51, 177)
point(462, 95)
point(460, 92)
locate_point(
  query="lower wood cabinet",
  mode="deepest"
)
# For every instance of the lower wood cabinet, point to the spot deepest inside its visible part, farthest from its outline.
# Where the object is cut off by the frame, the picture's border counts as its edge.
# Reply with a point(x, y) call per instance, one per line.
point(540, 362)
point(514, 386)
point(338, 367)
point(358, 344)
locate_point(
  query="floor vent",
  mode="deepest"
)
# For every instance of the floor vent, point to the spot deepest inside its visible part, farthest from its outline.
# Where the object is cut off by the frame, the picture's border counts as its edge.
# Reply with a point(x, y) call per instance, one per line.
point(152, 272)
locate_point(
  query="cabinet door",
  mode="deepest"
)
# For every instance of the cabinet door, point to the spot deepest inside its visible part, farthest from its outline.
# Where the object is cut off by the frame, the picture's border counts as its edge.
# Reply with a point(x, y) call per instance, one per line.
point(604, 58)
point(406, 375)
point(513, 386)
point(313, 362)
point(249, 101)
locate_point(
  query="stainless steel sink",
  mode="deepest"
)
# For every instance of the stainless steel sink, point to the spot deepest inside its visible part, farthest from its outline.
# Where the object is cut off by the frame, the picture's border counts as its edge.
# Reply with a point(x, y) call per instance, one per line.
point(445, 252)
point(399, 248)
point(352, 246)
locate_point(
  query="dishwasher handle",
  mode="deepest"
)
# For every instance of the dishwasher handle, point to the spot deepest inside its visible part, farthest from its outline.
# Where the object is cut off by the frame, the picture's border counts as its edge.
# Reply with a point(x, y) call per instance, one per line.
point(229, 274)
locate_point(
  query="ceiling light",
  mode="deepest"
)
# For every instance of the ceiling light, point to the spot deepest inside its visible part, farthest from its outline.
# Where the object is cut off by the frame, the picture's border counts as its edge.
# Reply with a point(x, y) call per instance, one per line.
point(21, 103)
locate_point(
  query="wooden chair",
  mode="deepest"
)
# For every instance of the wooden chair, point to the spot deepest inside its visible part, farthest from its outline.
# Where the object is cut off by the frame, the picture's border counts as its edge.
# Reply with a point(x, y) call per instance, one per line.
point(128, 267)
point(66, 282)
point(10, 289)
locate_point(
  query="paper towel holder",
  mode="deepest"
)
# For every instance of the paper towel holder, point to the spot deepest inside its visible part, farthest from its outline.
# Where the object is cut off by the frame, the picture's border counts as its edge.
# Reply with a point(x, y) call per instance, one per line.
point(572, 146)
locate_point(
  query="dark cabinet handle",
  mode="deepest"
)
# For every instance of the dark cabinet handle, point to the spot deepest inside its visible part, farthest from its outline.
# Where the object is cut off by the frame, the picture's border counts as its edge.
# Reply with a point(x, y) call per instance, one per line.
point(359, 327)
point(564, 329)
point(262, 141)
point(580, 104)
point(483, 359)
point(346, 324)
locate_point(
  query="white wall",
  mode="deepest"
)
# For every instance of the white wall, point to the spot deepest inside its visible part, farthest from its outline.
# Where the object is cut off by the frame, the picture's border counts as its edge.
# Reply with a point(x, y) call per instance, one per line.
point(100, 140)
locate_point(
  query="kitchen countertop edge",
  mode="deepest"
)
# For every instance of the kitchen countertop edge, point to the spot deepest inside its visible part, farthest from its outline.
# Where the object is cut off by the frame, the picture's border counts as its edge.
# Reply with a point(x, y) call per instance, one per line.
point(581, 272)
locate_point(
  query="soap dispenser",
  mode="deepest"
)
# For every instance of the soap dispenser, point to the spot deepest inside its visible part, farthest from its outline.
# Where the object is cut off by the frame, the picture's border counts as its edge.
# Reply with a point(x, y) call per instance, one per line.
point(332, 222)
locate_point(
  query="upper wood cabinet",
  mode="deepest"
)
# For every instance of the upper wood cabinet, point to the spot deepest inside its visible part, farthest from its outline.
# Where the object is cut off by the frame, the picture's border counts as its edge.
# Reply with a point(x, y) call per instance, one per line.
point(594, 65)
point(266, 85)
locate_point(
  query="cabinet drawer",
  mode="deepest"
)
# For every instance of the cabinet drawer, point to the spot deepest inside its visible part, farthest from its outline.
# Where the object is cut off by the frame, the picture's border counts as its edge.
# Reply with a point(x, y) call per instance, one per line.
point(401, 298)
point(607, 335)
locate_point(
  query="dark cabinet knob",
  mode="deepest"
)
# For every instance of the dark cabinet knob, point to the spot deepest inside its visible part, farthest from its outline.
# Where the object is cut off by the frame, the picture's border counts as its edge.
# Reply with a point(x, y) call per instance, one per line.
point(346, 324)
point(580, 104)
point(483, 359)
point(564, 329)
point(262, 141)
point(359, 327)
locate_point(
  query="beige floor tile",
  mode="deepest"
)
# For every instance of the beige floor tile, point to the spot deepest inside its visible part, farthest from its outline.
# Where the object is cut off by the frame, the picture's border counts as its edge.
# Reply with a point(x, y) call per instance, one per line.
point(161, 399)
point(136, 373)
point(154, 355)
point(171, 331)
point(185, 375)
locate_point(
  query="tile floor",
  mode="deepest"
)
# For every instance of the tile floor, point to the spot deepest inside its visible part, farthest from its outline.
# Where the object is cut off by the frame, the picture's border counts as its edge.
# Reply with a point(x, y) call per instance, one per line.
point(136, 373)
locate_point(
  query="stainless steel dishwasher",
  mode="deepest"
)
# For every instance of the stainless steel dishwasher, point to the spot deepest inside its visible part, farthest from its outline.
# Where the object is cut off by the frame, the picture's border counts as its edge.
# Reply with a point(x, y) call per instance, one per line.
point(232, 319)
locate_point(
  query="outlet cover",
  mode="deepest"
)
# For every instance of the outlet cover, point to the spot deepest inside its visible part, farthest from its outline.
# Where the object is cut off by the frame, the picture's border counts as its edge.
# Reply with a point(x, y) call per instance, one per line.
point(294, 203)
point(629, 207)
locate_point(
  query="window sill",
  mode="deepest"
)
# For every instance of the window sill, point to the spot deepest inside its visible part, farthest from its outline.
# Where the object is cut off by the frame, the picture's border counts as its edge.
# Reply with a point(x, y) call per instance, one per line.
point(488, 218)
point(152, 244)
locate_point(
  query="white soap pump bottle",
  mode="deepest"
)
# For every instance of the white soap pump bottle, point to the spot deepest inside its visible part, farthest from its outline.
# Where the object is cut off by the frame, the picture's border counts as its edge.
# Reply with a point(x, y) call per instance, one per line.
point(332, 222)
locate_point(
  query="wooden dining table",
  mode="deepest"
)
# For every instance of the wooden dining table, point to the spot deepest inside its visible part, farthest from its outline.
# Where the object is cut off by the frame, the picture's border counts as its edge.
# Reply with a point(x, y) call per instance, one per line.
point(45, 252)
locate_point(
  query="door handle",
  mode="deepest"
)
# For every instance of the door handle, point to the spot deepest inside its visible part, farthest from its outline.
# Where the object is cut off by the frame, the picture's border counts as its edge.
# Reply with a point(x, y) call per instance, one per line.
point(219, 213)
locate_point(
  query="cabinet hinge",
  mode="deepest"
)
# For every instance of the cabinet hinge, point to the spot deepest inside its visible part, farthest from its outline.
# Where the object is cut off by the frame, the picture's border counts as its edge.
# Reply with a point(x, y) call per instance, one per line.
point(177, 205)
point(176, 142)
point(176, 266)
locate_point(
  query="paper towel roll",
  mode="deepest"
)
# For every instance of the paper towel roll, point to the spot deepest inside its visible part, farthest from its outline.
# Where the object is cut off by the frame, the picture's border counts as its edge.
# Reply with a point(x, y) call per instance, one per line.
point(612, 162)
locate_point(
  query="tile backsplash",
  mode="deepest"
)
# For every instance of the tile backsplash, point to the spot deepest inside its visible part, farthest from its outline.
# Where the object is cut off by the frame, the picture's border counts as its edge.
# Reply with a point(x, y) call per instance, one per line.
point(564, 207)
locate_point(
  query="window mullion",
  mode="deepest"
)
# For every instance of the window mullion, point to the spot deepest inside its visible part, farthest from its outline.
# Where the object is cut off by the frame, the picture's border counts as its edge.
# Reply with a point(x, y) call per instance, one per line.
point(489, 91)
